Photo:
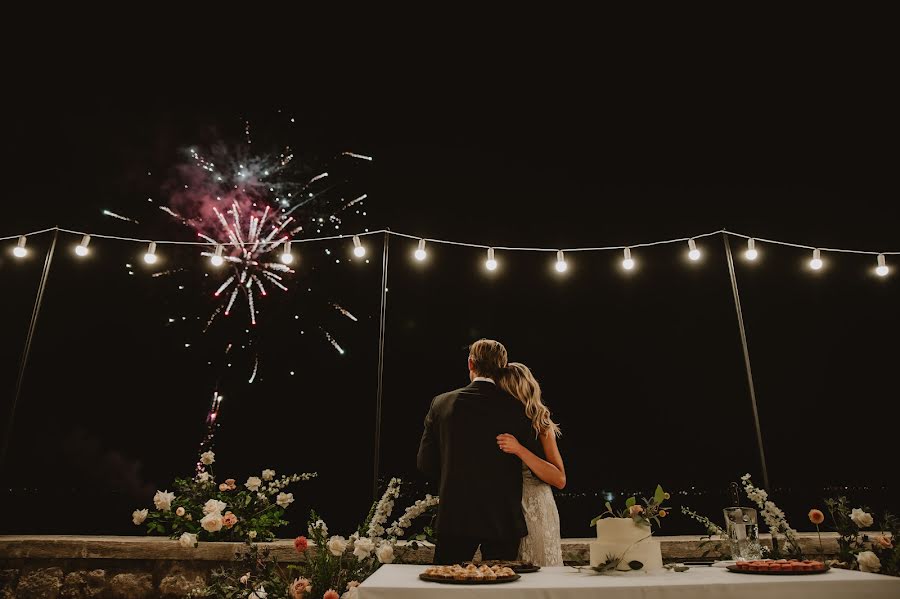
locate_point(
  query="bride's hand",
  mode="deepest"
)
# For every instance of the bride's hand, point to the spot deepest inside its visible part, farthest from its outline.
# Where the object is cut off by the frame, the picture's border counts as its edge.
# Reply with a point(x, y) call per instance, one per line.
point(509, 444)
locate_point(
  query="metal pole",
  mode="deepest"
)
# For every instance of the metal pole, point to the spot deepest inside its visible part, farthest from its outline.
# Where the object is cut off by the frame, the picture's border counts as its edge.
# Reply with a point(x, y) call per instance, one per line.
point(740, 319)
point(35, 312)
point(381, 322)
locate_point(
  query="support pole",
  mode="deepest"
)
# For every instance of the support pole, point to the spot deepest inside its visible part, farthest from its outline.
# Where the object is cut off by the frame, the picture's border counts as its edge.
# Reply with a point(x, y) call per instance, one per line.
point(35, 312)
point(381, 324)
point(740, 319)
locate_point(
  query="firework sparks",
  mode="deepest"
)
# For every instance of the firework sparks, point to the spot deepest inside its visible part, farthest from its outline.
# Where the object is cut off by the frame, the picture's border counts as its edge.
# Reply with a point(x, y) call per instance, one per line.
point(119, 216)
point(360, 156)
point(333, 342)
point(345, 312)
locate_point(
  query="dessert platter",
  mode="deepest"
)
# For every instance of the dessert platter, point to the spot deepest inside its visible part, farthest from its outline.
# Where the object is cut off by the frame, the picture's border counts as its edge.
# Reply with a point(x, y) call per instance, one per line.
point(517, 566)
point(470, 574)
point(779, 567)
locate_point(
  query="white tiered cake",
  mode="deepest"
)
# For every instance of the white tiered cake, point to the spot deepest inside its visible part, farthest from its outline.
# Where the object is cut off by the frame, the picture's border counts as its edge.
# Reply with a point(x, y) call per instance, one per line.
point(623, 538)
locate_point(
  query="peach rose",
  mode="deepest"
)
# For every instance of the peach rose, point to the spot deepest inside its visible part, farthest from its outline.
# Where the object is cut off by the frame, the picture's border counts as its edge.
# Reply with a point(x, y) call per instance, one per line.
point(230, 483)
point(300, 587)
point(883, 542)
point(331, 594)
point(223, 487)
point(179, 512)
point(816, 516)
point(635, 510)
point(229, 519)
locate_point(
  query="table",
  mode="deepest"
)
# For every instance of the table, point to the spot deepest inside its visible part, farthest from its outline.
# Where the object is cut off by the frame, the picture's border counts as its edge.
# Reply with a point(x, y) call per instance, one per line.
point(394, 581)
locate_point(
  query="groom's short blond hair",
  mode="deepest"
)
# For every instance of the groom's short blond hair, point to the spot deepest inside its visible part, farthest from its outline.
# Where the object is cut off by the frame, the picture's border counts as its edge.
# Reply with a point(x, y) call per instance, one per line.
point(488, 357)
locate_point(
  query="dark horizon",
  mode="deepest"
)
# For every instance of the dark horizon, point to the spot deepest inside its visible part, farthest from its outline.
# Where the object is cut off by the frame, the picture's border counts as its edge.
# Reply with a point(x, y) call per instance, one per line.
point(644, 371)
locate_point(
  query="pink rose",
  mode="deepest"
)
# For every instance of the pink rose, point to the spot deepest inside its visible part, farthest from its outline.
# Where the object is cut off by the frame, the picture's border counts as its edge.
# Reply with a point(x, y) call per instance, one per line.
point(229, 519)
point(300, 587)
point(331, 594)
point(223, 487)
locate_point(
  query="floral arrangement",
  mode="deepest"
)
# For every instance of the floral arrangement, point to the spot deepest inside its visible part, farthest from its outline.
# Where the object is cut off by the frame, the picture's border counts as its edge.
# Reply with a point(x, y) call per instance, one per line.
point(776, 520)
point(652, 510)
point(857, 550)
point(200, 509)
point(716, 535)
point(337, 566)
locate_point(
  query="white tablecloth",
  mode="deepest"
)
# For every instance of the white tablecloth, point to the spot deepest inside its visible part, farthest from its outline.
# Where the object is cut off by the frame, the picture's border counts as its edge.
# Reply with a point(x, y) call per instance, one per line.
point(402, 582)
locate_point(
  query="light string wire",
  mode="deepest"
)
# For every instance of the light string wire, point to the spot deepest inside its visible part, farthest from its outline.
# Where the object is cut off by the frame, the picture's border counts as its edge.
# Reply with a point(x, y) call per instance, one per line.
point(463, 243)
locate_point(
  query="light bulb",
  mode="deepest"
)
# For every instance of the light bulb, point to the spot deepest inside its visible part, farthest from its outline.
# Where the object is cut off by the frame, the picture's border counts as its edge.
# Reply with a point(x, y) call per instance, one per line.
point(286, 256)
point(693, 253)
point(150, 256)
point(751, 253)
point(217, 259)
point(490, 263)
point(358, 250)
point(19, 251)
point(82, 248)
point(420, 251)
point(816, 262)
point(628, 262)
point(881, 270)
point(561, 265)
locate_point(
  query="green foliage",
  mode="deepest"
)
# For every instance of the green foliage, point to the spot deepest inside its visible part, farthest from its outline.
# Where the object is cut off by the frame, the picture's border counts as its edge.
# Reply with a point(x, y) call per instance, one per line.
point(652, 510)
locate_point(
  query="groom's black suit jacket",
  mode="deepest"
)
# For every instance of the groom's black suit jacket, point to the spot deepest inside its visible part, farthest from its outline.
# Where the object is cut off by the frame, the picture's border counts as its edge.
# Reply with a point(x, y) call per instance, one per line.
point(480, 486)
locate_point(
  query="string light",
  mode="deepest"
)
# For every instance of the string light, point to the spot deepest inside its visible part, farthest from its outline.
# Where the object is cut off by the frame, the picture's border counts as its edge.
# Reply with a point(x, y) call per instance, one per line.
point(881, 270)
point(358, 249)
point(217, 259)
point(490, 263)
point(693, 252)
point(816, 262)
point(150, 257)
point(561, 265)
point(420, 251)
point(751, 253)
point(628, 262)
point(82, 248)
point(286, 256)
point(19, 251)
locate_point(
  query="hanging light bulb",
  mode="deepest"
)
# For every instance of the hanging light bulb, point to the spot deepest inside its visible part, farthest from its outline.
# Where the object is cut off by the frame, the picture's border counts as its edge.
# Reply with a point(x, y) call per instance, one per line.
point(751, 253)
point(150, 257)
point(19, 251)
point(420, 251)
point(358, 250)
point(82, 248)
point(286, 256)
point(628, 262)
point(881, 270)
point(561, 265)
point(693, 252)
point(816, 262)
point(217, 259)
point(490, 263)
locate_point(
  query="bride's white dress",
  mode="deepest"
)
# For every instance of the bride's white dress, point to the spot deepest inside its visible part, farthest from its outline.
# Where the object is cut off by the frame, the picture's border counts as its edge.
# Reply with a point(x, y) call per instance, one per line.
point(542, 545)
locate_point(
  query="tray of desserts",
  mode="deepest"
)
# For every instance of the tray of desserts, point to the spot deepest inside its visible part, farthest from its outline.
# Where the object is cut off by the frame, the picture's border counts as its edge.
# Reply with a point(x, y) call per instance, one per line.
point(781, 567)
point(470, 574)
point(517, 566)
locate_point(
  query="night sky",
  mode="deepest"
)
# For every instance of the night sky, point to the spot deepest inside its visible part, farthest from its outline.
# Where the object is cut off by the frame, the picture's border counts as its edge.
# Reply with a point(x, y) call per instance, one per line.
point(643, 371)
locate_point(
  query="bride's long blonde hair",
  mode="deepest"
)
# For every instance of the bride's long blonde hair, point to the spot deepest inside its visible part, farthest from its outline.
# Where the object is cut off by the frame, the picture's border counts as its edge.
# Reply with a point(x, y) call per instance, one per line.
point(517, 380)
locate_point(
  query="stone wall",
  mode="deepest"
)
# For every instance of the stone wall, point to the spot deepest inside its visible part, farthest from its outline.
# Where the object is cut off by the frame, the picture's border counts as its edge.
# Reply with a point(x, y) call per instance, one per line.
point(75, 567)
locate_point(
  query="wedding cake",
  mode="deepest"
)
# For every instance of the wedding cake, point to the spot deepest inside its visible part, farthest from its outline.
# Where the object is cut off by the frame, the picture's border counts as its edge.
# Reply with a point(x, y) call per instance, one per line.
point(622, 538)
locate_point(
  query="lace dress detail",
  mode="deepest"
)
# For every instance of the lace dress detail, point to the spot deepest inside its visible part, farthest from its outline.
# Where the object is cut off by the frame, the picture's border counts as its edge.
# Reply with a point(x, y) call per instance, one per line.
point(542, 545)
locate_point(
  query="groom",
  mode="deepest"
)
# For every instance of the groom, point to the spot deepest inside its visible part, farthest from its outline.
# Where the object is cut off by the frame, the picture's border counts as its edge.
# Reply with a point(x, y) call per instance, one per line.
point(480, 486)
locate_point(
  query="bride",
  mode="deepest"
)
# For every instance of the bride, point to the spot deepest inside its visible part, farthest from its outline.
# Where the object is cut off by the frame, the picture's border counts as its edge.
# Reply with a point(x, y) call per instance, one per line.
point(542, 545)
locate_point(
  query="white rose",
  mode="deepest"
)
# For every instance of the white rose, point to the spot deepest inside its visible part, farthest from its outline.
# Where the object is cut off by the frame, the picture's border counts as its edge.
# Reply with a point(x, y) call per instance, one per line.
point(245, 578)
point(259, 593)
point(187, 540)
point(268, 474)
point(213, 506)
point(363, 547)
point(203, 477)
point(163, 500)
point(179, 512)
point(385, 553)
point(138, 516)
point(861, 518)
point(252, 534)
point(212, 522)
point(337, 545)
point(253, 483)
point(207, 458)
point(868, 561)
point(284, 499)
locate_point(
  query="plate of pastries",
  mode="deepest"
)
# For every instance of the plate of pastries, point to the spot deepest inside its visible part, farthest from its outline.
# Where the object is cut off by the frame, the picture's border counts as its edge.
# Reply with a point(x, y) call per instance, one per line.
point(469, 574)
point(779, 566)
point(517, 566)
